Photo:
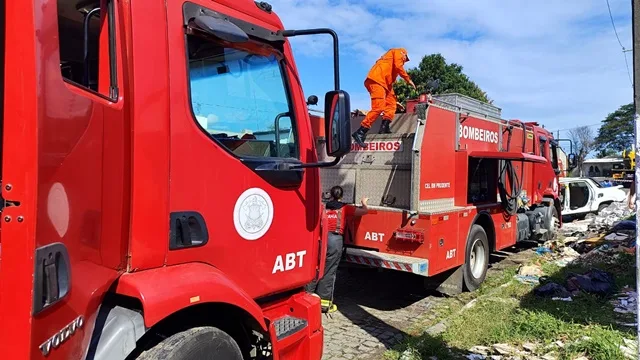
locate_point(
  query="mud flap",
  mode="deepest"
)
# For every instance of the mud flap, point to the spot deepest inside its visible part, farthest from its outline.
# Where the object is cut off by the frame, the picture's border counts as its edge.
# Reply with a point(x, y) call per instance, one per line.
point(449, 283)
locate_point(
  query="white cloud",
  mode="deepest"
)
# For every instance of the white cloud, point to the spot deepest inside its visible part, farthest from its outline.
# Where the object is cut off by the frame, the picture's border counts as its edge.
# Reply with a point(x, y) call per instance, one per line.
point(555, 62)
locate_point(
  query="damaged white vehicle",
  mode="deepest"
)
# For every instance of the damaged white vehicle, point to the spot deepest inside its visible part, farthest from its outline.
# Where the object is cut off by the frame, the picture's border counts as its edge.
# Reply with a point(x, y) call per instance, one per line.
point(581, 196)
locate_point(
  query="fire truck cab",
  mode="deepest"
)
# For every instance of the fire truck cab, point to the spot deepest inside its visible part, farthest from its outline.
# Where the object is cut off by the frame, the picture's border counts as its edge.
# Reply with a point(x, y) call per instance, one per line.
point(144, 213)
point(452, 183)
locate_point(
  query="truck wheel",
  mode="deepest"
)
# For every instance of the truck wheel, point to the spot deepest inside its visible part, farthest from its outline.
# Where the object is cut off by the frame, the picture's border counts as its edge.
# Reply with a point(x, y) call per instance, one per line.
point(552, 223)
point(194, 344)
point(476, 258)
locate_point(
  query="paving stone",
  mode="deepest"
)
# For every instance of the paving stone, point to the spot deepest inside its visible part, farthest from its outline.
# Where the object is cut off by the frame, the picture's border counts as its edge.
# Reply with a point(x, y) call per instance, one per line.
point(375, 309)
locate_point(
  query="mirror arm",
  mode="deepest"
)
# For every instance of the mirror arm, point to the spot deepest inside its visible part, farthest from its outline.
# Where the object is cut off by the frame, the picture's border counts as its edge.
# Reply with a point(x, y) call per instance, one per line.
point(318, 165)
point(336, 48)
point(277, 130)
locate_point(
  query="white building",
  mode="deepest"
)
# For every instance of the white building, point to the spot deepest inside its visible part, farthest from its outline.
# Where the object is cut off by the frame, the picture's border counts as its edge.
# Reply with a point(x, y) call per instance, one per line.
point(599, 167)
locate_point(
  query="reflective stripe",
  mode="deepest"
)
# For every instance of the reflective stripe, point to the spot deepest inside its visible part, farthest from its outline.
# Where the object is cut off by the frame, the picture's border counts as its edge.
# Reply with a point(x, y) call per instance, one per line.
point(391, 265)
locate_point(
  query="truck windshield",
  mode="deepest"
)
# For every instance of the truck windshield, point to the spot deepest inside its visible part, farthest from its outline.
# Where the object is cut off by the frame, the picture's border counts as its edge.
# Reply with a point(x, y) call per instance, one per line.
point(240, 97)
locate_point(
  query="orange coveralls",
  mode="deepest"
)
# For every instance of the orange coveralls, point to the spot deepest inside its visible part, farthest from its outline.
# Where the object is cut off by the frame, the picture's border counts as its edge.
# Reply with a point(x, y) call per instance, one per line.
point(379, 84)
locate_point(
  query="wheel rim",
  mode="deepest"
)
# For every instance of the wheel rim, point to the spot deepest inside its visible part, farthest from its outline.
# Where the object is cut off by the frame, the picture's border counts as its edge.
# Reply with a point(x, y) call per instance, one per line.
point(477, 259)
point(555, 226)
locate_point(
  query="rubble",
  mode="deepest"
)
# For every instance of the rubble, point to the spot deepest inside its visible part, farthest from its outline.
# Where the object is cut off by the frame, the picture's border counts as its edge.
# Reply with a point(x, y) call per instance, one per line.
point(576, 227)
point(595, 281)
point(530, 270)
point(601, 238)
point(629, 349)
point(610, 215)
point(626, 301)
point(552, 290)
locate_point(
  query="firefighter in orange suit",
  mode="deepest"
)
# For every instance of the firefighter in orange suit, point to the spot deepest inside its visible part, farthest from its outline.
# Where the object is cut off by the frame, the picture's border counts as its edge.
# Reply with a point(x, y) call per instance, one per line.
point(336, 215)
point(379, 84)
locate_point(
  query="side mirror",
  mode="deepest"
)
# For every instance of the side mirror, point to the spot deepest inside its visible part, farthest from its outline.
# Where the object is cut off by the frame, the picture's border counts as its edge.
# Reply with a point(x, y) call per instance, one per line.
point(312, 100)
point(571, 159)
point(337, 125)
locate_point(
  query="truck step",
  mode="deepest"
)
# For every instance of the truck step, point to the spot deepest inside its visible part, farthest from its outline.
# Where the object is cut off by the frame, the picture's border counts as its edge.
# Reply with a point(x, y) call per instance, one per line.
point(288, 325)
point(409, 264)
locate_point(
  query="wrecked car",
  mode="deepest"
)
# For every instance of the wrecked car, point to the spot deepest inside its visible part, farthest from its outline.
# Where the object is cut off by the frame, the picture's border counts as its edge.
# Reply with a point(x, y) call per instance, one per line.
point(581, 196)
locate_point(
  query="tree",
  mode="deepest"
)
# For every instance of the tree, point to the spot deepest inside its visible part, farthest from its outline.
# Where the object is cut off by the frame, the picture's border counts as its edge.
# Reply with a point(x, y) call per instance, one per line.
point(451, 79)
point(607, 153)
point(616, 132)
point(582, 138)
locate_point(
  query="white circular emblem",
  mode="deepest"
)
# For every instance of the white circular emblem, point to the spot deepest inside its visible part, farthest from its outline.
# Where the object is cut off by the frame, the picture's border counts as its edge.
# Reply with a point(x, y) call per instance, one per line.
point(253, 214)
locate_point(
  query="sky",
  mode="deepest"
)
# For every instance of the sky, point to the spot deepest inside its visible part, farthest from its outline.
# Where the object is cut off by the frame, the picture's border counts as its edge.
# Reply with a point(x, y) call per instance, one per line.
point(556, 62)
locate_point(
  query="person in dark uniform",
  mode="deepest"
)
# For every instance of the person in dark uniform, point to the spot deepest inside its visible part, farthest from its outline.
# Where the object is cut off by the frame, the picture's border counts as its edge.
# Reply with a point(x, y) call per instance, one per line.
point(336, 215)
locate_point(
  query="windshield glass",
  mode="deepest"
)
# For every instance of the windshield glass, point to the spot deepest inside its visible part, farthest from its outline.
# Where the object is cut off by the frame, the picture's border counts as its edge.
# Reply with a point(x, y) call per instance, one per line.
point(596, 182)
point(240, 98)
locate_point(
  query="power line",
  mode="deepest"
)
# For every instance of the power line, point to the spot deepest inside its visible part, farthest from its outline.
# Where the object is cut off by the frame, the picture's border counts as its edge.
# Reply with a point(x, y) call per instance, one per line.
point(627, 64)
point(624, 51)
point(614, 25)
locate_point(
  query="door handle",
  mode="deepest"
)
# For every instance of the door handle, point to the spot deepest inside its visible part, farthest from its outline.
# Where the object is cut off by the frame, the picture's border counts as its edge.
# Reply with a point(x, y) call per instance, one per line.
point(187, 230)
point(52, 276)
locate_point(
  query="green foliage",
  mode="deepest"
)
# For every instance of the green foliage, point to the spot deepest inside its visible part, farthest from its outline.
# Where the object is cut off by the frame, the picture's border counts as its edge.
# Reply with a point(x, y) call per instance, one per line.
point(616, 132)
point(435, 67)
point(607, 153)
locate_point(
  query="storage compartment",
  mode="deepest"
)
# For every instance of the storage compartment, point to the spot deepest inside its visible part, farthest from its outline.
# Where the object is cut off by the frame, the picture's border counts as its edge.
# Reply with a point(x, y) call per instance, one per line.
point(381, 172)
point(483, 181)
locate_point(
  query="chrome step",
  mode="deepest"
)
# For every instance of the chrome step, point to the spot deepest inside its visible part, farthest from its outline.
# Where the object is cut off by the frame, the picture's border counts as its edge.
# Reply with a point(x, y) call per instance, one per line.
point(410, 264)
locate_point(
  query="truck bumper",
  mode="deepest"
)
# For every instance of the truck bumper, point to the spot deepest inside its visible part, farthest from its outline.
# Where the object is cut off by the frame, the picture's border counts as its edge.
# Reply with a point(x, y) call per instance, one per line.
point(295, 328)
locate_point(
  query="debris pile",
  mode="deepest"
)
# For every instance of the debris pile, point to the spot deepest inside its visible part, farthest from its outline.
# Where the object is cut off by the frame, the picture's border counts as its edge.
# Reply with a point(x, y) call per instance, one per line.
point(600, 239)
point(537, 351)
point(625, 305)
point(610, 215)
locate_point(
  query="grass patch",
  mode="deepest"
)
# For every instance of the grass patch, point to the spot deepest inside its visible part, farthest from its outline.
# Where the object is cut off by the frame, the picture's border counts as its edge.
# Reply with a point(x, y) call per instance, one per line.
point(507, 311)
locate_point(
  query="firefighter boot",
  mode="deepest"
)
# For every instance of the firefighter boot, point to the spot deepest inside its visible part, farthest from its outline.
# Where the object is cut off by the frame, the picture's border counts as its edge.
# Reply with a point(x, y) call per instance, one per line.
point(360, 135)
point(384, 127)
point(328, 307)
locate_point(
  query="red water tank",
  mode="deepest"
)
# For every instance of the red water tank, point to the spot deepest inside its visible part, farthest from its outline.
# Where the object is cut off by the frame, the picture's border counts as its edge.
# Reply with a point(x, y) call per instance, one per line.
point(411, 105)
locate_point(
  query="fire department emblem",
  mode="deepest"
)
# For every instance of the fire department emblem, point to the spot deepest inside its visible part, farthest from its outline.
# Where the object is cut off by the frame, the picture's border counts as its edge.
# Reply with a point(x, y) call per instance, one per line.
point(253, 214)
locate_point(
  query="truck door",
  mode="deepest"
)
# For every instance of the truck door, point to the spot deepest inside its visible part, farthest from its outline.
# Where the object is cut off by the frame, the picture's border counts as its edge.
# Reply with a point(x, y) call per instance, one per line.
point(238, 121)
point(64, 241)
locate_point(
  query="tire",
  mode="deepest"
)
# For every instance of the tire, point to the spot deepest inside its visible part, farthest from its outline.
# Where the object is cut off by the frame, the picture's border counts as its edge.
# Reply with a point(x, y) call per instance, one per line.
point(206, 343)
point(602, 207)
point(552, 224)
point(476, 258)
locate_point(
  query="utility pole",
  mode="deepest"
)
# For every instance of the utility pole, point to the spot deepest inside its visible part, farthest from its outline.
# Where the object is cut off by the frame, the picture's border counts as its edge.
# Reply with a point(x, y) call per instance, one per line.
point(635, 24)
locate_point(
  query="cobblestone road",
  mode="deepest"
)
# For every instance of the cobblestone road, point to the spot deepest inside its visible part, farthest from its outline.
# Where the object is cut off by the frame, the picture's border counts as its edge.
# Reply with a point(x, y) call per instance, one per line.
point(376, 307)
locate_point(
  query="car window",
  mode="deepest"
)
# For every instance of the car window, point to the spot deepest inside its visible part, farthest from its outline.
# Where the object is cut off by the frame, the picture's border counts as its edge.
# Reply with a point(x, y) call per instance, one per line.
point(597, 184)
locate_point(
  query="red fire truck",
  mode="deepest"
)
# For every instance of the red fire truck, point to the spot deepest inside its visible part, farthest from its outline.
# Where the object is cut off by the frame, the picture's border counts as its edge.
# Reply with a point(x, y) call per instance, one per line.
point(451, 184)
point(142, 215)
